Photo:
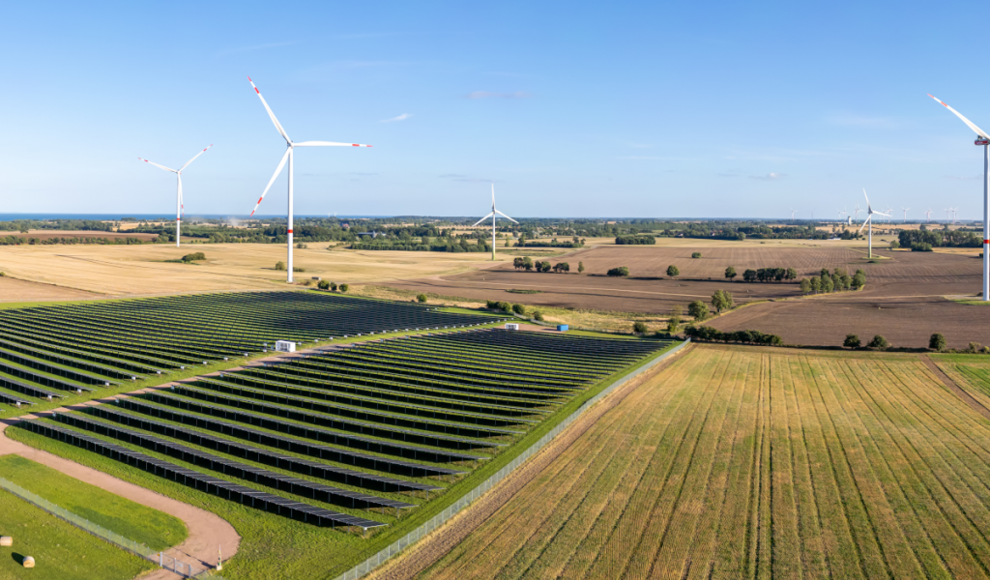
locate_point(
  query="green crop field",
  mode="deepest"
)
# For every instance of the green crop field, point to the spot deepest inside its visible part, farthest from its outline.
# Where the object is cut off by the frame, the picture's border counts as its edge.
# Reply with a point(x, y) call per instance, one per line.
point(61, 551)
point(134, 521)
point(757, 463)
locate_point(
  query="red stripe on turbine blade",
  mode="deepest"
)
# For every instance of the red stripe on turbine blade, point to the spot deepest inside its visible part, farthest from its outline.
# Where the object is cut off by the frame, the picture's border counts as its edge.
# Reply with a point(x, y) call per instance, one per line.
point(259, 199)
point(290, 231)
point(256, 90)
point(250, 81)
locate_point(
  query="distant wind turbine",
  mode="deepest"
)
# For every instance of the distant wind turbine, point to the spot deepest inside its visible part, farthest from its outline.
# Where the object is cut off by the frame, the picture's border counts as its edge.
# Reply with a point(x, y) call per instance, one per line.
point(287, 156)
point(982, 138)
point(869, 221)
point(793, 211)
point(492, 215)
point(179, 205)
point(928, 215)
point(905, 213)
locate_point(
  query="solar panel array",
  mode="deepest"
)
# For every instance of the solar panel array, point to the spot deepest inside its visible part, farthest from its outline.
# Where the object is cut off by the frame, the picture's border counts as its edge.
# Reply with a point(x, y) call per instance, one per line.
point(361, 434)
point(58, 351)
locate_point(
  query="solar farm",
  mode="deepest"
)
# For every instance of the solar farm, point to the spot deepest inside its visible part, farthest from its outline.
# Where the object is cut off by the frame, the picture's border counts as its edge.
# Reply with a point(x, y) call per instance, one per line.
point(70, 352)
point(360, 438)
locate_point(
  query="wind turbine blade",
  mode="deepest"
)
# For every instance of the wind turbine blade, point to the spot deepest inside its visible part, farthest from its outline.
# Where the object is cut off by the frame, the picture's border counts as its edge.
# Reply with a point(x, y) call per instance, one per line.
point(278, 170)
point(881, 213)
point(270, 113)
point(979, 131)
point(866, 221)
point(483, 219)
point(327, 144)
point(868, 208)
point(157, 165)
point(506, 217)
point(194, 158)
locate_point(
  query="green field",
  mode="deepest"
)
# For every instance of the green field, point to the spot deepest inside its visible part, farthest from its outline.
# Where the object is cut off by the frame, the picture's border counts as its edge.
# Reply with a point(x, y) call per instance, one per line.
point(134, 521)
point(756, 463)
point(61, 551)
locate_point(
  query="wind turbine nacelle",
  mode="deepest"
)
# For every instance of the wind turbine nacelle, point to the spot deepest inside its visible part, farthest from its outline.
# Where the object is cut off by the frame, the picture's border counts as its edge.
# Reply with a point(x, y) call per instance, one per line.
point(981, 141)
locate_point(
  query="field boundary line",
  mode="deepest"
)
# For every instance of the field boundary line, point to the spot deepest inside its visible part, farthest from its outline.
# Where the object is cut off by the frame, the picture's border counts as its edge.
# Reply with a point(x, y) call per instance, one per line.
point(953, 387)
point(480, 491)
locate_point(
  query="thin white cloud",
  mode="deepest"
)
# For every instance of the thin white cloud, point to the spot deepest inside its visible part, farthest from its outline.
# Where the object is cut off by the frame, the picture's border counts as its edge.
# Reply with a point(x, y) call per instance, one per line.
point(230, 51)
point(401, 117)
point(491, 95)
point(768, 176)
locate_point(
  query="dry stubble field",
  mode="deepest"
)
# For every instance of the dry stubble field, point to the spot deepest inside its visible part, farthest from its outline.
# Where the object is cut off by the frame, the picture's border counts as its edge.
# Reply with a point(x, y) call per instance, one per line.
point(142, 270)
point(757, 463)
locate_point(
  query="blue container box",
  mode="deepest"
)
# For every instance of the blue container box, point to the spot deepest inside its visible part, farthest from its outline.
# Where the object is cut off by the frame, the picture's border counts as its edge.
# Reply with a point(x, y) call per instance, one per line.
point(562, 327)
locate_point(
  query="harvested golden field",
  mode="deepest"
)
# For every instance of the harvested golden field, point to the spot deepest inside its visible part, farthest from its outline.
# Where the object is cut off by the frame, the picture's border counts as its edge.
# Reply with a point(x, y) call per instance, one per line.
point(142, 269)
point(13, 290)
point(756, 463)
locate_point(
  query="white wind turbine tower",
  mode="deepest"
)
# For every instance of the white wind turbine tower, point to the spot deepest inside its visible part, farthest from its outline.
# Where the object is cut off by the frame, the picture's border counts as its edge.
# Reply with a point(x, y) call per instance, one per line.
point(492, 215)
point(928, 215)
point(905, 213)
point(856, 211)
point(982, 138)
point(179, 206)
point(869, 220)
point(793, 211)
point(290, 145)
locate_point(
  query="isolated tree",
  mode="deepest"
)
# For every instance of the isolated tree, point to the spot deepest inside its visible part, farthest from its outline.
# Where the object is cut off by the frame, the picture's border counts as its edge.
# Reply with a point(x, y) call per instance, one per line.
point(333, 286)
point(879, 343)
point(730, 272)
point(698, 310)
point(538, 316)
point(696, 255)
point(422, 298)
point(722, 300)
point(674, 322)
point(519, 309)
point(280, 266)
point(344, 288)
point(851, 341)
point(673, 271)
point(580, 267)
point(639, 327)
point(561, 267)
point(620, 271)
point(323, 285)
point(805, 285)
point(937, 342)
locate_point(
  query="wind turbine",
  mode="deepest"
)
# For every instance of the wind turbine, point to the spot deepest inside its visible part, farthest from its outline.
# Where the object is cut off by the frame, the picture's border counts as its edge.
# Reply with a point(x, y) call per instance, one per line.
point(869, 220)
point(179, 206)
point(890, 211)
point(982, 138)
point(856, 212)
point(793, 211)
point(905, 213)
point(928, 215)
point(492, 215)
point(290, 146)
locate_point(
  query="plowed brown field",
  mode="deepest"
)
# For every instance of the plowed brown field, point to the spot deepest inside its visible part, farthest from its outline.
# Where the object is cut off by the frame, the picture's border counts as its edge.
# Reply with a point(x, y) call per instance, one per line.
point(649, 289)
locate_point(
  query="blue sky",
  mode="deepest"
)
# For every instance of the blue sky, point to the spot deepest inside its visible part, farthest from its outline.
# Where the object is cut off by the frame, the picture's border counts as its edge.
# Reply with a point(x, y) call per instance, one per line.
point(573, 109)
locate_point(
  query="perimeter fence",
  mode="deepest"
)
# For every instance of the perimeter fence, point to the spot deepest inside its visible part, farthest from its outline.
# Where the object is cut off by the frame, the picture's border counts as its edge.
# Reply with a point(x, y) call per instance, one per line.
point(469, 498)
point(169, 563)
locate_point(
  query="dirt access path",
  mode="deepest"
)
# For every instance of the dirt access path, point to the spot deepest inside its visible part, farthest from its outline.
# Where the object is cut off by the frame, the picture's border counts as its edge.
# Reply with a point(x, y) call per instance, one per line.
point(207, 531)
point(430, 549)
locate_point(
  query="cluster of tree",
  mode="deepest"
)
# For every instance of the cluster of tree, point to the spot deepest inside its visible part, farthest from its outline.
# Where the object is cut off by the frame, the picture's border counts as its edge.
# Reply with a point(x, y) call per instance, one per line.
point(835, 281)
point(708, 333)
point(57, 224)
point(333, 287)
point(877, 343)
point(938, 239)
point(529, 265)
point(554, 243)
point(507, 307)
point(454, 245)
point(764, 274)
point(25, 241)
point(193, 257)
point(635, 240)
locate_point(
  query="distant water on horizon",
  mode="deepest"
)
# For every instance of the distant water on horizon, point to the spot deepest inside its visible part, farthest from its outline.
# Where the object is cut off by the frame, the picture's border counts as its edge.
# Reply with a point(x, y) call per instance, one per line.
point(6, 217)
